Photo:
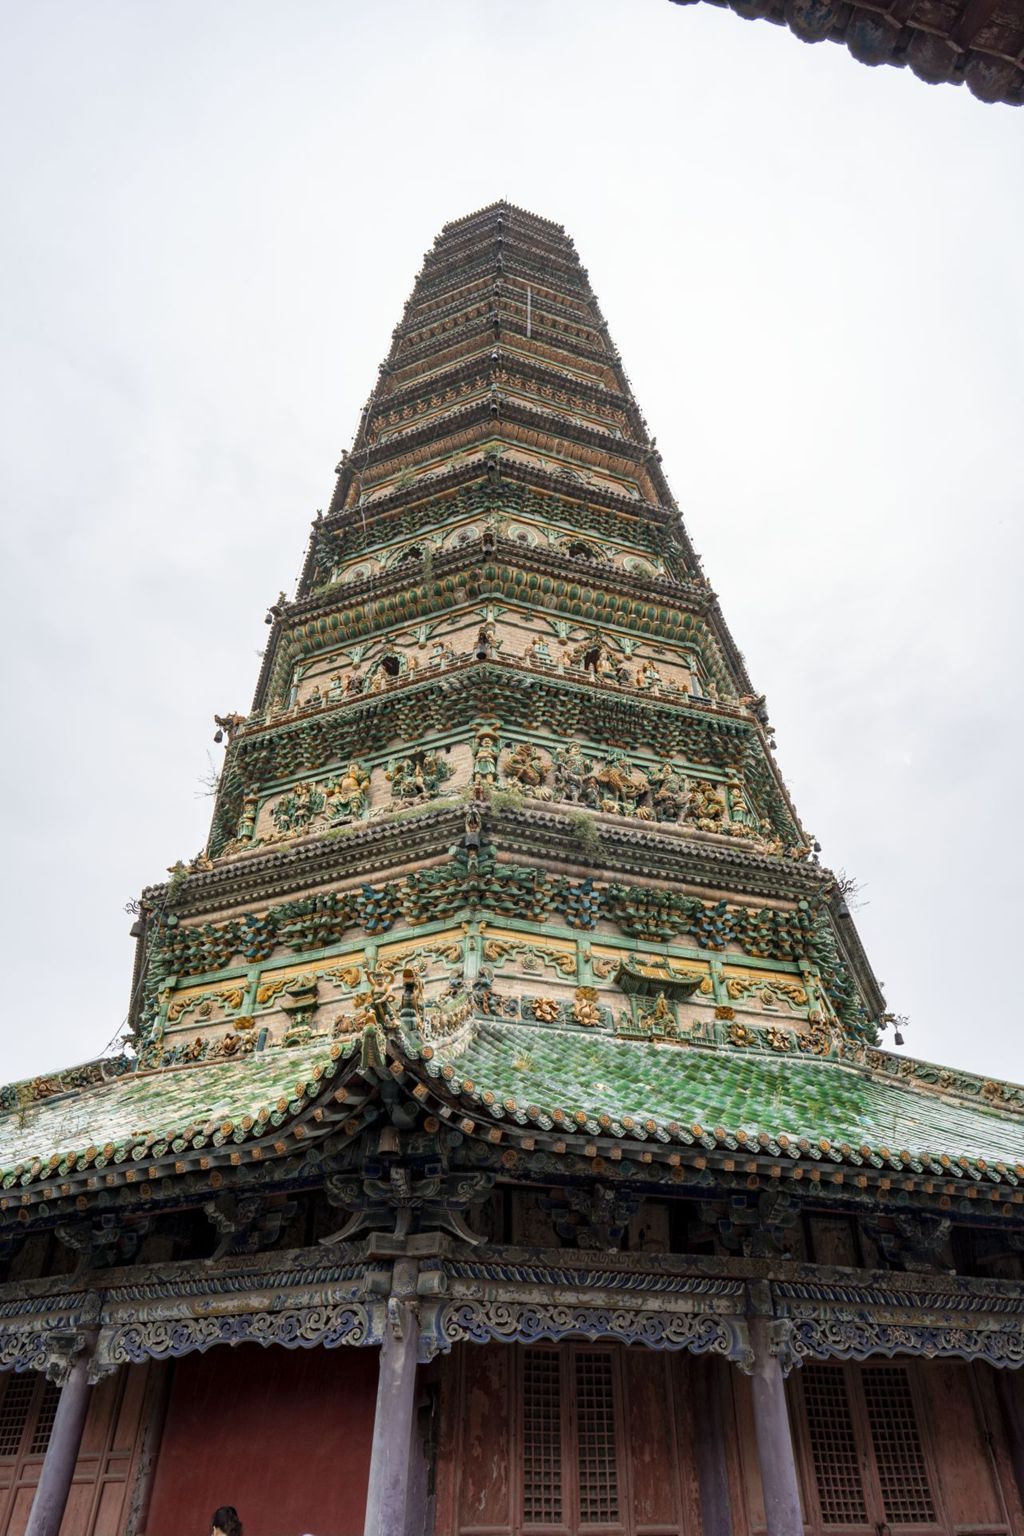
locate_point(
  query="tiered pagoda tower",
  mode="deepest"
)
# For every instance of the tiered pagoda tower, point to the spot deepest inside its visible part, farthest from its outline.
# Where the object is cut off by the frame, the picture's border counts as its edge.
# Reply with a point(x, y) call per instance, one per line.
point(503, 735)
point(508, 1065)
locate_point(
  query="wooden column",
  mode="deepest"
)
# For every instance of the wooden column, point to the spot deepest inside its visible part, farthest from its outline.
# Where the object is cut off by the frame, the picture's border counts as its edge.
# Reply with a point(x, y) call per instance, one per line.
point(775, 1453)
point(419, 1506)
point(709, 1449)
point(154, 1414)
point(387, 1494)
point(62, 1451)
point(1010, 1387)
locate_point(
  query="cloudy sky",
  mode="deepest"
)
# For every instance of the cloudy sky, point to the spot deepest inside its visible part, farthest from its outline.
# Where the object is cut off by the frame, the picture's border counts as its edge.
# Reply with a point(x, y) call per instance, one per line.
point(212, 215)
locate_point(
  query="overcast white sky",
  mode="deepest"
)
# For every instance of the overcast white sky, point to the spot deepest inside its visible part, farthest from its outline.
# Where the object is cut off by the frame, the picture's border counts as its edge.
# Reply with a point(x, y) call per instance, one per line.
point(211, 216)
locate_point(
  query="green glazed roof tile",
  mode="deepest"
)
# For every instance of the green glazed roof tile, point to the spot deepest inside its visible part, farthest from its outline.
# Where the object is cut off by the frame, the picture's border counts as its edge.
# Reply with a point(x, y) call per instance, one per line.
point(172, 1106)
point(678, 1093)
point(550, 1079)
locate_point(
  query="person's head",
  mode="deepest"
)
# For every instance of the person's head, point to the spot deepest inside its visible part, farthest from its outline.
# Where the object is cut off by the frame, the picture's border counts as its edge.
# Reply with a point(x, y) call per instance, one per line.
point(225, 1521)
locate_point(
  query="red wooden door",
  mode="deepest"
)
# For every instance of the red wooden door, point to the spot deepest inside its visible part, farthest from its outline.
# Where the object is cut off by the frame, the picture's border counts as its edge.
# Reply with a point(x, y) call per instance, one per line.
point(566, 1440)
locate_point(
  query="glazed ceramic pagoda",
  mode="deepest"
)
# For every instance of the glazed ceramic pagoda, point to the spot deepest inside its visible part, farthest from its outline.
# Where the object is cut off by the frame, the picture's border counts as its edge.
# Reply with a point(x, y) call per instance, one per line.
point(508, 1065)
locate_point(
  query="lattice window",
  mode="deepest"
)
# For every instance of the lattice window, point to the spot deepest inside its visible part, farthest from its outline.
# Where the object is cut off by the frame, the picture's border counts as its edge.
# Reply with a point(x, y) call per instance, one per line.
point(542, 1437)
point(833, 1446)
point(14, 1410)
point(899, 1455)
point(44, 1419)
point(596, 1458)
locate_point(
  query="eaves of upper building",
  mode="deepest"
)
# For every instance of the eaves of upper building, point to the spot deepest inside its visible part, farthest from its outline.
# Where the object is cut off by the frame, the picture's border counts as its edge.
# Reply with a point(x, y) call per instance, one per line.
point(279, 749)
point(640, 592)
point(499, 222)
point(473, 489)
point(546, 301)
point(506, 261)
point(592, 593)
point(494, 320)
point(503, 268)
point(344, 509)
point(453, 429)
point(979, 43)
point(486, 366)
point(545, 835)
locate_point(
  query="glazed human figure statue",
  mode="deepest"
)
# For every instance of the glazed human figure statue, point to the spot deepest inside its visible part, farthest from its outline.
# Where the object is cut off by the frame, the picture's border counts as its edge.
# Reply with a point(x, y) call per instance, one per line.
point(417, 776)
point(486, 640)
point(442, 655)
point(648, 676)
point(621, 787)
point(671, 796)
point(350, 796)
point(538, 652)
point(572, 772)
point(485, 757)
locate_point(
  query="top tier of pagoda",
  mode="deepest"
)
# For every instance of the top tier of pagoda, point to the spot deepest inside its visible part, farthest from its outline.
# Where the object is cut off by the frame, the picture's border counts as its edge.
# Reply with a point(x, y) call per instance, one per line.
point(502, 342)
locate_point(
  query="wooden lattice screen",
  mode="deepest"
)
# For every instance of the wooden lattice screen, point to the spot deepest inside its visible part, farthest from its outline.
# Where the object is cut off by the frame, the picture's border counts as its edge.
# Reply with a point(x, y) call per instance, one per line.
point(542, 1437)
point(596, 1454)
point(866, 1447)
point(44, 1419)
point(899, 1455)
point(582, 1439)
point(833, 1446)
point(15, 1405)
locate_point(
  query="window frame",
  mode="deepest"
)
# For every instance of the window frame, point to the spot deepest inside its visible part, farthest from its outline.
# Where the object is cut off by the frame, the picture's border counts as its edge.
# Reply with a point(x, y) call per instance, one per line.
point(853, 1375)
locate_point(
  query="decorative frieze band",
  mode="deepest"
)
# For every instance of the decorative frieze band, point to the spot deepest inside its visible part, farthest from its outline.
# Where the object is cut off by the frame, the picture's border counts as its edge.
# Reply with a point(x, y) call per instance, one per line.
point(518, 1298)
point(526, 1323)
point(859, 1337)
point(305, 1328)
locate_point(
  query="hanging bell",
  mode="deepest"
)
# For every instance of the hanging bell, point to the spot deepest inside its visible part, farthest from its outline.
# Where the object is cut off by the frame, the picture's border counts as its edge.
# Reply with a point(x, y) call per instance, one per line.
point(219, 736)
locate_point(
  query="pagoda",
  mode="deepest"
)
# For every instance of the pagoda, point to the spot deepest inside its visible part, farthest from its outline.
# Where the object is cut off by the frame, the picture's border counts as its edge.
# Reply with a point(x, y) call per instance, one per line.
point(506, 1143)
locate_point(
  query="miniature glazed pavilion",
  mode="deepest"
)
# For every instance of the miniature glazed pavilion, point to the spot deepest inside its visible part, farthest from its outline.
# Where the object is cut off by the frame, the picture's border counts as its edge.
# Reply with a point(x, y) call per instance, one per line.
point(507, 1145)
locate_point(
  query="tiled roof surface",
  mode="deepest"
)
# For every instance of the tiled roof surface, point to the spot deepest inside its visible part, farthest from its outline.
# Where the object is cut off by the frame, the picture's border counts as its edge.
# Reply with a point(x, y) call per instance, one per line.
point(556, 1080)
point(251, 1093)
point(564, 1079)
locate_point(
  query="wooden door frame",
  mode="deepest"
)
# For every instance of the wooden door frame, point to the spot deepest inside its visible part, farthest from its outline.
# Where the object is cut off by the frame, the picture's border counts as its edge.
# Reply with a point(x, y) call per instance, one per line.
point(567, 1352)
point(666, 1378)
point(853, 1373)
